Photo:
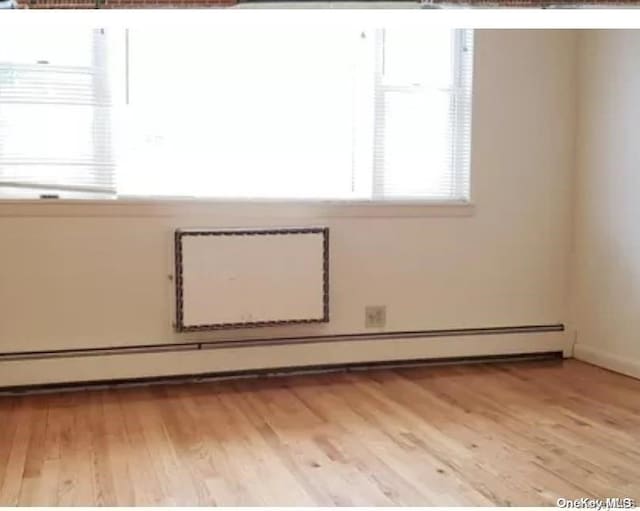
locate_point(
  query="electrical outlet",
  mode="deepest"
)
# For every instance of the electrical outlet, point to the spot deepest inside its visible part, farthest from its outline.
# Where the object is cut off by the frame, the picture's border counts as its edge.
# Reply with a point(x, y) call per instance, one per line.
point(375, 316)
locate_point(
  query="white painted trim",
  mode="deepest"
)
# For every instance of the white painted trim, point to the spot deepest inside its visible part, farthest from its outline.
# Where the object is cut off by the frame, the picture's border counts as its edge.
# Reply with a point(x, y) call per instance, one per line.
point(613, 362)
point(570, 342)
point(308, 209)
point(141, 365)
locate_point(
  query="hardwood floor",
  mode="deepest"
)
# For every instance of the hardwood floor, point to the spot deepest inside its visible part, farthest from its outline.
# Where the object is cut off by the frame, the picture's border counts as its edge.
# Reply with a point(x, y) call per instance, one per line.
point(503, 434)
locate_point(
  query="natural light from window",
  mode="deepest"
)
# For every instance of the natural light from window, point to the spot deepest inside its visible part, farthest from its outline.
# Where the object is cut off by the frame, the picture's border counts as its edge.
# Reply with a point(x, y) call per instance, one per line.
point(309, 112)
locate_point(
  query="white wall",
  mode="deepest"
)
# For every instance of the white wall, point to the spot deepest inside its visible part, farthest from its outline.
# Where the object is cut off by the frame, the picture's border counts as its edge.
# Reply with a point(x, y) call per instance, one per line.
point(96, 275)
point(606, 277)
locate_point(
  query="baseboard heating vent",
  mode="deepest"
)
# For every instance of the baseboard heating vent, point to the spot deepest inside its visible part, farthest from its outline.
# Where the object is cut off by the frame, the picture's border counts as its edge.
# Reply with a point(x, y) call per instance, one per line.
point(426, 335)
point(551, 356)
point(239, 278)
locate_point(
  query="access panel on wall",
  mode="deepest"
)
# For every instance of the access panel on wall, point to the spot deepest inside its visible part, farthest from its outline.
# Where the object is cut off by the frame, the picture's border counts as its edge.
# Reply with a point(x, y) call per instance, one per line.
point(237, 278)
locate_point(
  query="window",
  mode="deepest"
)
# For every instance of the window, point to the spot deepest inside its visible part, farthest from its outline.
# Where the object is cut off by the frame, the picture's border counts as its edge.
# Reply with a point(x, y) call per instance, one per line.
point(293, 113)
point(422, 114)
point(55, 109)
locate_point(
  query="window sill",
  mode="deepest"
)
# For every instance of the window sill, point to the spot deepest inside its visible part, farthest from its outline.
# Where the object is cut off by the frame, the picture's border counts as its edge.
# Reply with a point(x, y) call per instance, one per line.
point(164, 207)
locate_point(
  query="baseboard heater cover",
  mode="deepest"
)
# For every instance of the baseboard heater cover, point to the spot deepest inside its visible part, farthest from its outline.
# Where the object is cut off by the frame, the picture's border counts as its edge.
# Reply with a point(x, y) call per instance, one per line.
point(279, 372)
point(277, 341)
point(245, 278)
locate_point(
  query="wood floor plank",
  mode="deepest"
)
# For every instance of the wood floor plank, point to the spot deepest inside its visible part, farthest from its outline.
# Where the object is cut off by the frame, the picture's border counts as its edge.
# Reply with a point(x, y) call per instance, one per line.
point(402, 473)
point(496, 417)
point(11, 488)
point(455, 459)
point(144, 478)
point(572, 431)
point(36, 453)
point(314, 459)
point(238, 406)
point(8, 429)
point(490, 434)
point(496, 440)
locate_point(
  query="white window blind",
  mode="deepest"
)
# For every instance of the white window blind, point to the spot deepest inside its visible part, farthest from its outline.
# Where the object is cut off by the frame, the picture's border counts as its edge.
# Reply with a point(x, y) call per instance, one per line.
point(55, 129)
point(422, 114)
point(232, 113)
point(313, 112)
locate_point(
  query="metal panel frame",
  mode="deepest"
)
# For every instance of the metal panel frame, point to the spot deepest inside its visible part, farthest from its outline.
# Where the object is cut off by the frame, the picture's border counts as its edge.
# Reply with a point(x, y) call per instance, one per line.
point(180, 233)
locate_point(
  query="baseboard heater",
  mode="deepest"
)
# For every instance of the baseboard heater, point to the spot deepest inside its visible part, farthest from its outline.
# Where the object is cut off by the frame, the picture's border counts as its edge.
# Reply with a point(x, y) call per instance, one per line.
point(277, 341)
point(267, 355)
point(280, 372)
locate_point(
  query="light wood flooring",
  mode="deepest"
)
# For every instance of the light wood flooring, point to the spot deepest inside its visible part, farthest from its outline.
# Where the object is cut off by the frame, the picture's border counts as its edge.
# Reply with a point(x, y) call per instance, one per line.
point(506, 434)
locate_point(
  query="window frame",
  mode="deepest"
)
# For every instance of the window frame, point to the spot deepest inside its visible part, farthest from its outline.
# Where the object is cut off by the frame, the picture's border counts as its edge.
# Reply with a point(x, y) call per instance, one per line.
point(100, 104)
point(160, 205)
point(463, 40)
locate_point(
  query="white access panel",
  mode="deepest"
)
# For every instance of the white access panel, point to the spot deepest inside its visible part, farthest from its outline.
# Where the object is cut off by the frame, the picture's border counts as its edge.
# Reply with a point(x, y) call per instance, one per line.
point(251, 277)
